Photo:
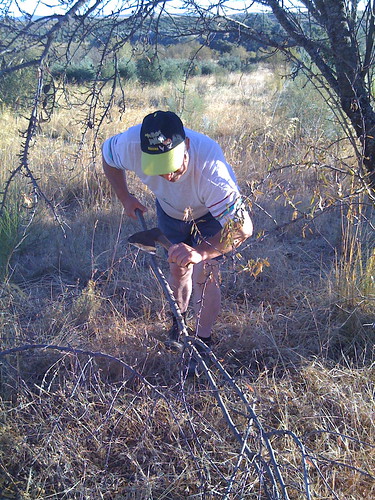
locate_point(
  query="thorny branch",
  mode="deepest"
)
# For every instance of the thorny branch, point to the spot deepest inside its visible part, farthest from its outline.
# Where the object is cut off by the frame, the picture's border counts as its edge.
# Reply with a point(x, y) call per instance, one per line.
point(33, 121)
point(268, 466)
point(24, 156)
point(80, 19)
point(264, 459)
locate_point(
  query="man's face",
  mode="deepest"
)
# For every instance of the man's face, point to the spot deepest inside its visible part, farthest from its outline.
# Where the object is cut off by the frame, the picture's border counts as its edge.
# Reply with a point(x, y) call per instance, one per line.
point(174, 176)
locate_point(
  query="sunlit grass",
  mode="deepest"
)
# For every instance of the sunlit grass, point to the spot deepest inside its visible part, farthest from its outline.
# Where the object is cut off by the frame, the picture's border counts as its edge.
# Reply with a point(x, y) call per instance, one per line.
point(292, 335)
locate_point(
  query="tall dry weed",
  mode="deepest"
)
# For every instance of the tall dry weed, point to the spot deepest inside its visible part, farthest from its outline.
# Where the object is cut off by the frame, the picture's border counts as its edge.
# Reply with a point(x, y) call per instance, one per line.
point(111, 416)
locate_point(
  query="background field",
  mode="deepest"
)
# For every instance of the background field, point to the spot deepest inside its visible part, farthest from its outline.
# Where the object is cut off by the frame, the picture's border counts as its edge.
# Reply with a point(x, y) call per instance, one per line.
point(296, 330)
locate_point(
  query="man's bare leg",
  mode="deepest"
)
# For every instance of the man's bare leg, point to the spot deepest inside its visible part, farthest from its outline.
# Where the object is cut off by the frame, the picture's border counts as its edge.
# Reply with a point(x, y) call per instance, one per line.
point(203, 281)
point(180, 280)
point(207, 297)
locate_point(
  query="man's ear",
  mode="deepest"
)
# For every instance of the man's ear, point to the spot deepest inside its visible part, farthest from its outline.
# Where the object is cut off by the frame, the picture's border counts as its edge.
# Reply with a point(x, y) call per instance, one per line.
point(187, 142)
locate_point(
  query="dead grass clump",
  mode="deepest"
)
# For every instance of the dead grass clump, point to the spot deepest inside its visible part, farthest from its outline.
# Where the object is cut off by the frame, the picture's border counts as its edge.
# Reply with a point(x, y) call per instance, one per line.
point(324, 406)
point(77, 433)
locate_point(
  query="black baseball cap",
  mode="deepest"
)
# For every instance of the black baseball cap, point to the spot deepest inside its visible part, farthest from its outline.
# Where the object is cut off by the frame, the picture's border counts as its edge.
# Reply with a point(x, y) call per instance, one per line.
point(162, 143)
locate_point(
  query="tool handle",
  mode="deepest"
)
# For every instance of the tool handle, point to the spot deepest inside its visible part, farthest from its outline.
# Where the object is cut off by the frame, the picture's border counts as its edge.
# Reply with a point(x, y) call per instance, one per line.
point(164, 241)
point(163, 281)
point(140, 218)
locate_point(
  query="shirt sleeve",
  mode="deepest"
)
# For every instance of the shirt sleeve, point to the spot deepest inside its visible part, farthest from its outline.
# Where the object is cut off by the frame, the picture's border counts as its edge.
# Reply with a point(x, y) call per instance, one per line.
point(123, 150)
point(220, 191)
point(230, 209)
point(110, 152)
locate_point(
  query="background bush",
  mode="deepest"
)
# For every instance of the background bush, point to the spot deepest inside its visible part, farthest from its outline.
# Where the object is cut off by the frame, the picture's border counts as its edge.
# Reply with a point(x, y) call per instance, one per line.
point(209, 67)
point(149, 71)
point(172, 69)
point(74, 73)
point(16, 87)
point(230, 63)
point(80, 73)
point(127, 70)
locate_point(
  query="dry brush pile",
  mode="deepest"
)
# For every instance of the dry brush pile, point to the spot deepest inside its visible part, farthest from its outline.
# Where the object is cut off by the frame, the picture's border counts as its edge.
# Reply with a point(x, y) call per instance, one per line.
point(94, 406)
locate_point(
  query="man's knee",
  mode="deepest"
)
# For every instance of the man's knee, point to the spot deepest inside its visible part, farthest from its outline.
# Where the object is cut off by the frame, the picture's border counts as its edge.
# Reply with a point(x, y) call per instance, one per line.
point(180, 273)
point(206, 272)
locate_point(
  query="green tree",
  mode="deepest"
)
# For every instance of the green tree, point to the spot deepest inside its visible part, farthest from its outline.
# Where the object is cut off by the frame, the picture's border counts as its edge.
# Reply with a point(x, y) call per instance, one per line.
point(335, 42)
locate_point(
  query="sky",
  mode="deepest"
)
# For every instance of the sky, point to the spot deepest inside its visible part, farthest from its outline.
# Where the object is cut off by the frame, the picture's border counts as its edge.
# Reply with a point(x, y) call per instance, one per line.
point(47, 7)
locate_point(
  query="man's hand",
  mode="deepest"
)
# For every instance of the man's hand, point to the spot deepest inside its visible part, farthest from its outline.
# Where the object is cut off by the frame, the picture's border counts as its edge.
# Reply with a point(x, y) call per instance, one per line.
point(183, 255)
point(130, 204)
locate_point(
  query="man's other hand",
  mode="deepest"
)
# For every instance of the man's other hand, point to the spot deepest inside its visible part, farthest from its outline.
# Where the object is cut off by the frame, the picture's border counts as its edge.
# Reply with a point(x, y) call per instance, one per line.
point(183, 255)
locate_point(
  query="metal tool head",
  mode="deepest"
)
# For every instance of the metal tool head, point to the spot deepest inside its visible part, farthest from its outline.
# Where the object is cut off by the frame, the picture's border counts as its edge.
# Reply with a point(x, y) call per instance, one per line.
point(146, 240)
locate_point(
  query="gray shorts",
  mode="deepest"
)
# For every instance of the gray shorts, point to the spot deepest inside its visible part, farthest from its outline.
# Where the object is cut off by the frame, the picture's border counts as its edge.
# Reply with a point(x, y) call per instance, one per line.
point(189, 232)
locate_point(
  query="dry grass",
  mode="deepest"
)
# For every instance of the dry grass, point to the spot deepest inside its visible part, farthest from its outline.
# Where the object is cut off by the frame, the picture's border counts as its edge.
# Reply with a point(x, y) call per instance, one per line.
point(296, 338)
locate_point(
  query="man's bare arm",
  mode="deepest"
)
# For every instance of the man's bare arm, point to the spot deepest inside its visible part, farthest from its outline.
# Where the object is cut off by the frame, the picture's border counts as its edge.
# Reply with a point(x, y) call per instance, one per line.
point(117, 179)
point(226, 240)
point(229, 238)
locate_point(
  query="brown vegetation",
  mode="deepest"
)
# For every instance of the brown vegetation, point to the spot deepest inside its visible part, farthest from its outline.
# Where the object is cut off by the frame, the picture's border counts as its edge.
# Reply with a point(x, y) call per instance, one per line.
point(106, 412)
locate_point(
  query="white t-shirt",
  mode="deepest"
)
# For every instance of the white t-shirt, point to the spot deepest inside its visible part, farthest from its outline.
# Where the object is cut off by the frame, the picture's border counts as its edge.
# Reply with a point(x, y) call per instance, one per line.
point(208, 185)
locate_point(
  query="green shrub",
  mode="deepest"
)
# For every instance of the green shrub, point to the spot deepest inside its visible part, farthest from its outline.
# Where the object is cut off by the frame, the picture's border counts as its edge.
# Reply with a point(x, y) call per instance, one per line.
point(107, 71)
point(209, 67)
point(230, 63)
point(172, 69)
point(17, 86)
point(127, 70)
point(149, 70)
point(75, 73)
point(222, 46)
point(57, 70)
point(80, 73)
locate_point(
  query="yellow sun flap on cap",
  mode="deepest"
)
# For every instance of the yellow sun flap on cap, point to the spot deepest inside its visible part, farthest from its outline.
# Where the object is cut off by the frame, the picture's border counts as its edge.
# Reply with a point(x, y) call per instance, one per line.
point(163, 163)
